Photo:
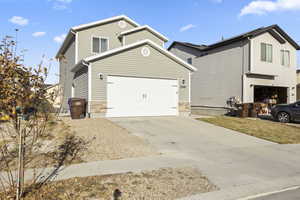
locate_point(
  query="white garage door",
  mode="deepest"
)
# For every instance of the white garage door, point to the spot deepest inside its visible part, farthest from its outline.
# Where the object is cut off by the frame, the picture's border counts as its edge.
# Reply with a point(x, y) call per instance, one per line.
point(127, 96)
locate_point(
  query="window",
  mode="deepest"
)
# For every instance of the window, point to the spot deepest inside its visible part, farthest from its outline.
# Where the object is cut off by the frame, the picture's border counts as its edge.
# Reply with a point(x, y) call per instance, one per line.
point(266, 52)
point(99, 45)
point(285, 58)
point(190, 61)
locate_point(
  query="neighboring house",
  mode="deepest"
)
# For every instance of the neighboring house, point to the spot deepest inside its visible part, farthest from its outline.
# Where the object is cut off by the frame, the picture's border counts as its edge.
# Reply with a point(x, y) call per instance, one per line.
point(298, 84)
point(122, 69)
point(253, 66)
point(54, 93)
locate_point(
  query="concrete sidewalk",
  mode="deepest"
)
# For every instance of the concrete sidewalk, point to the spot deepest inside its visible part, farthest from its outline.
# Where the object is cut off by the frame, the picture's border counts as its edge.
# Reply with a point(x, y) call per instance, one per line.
point(112, 167)
point(123, 166)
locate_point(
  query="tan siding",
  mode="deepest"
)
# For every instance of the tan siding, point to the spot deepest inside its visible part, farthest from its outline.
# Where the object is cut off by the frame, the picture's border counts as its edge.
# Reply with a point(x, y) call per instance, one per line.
point(109, 30)
point(132, 63)
point(285, 76)
point(81, 83)
point(66, 76)
point(142, 35)
point(275, 67)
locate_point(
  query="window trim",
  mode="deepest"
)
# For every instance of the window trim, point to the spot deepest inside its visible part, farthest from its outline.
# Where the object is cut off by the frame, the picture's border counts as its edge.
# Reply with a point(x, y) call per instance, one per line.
point(99, 37)
point(261, 57)
point(288, 64)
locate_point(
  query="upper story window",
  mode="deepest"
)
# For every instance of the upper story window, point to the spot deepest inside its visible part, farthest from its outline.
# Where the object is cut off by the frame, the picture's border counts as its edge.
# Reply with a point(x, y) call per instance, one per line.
point(266, 52)
point(190, 61)
point(99, 44)
point(285, 58)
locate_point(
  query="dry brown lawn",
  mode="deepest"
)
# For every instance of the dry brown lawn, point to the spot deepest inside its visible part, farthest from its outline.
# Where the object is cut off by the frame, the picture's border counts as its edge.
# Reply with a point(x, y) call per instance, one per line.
point(108, 141)
point(163, 184)
point(268, 130)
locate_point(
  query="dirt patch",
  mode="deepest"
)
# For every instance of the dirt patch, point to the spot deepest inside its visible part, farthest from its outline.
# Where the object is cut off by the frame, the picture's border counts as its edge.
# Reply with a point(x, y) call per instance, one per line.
point(165, 184)
point(108, 141)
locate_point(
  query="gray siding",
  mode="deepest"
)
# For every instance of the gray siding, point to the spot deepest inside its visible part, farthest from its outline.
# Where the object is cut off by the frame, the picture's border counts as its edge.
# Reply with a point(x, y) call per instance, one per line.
point(81, 83)
point(109, 30)
point(219, 74)
point(66, 76)
point(142, 35)
point(184, 52)
point(132, 63)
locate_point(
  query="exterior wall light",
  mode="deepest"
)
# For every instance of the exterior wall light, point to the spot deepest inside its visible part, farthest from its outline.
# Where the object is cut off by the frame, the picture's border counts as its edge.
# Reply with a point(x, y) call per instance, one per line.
point(100, 75)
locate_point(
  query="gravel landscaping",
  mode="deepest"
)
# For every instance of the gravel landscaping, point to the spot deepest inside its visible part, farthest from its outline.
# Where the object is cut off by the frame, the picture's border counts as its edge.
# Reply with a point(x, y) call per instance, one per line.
point(108, 141)
point(164, 184)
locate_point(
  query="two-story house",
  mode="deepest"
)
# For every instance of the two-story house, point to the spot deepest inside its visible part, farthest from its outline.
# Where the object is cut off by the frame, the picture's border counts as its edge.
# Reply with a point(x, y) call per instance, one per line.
point(252, 67)
point(123, 69)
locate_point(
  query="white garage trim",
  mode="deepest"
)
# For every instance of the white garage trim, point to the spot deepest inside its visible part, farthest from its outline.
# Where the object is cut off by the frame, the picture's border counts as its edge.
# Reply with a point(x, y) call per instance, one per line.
point(89, 87)
point(139, 96)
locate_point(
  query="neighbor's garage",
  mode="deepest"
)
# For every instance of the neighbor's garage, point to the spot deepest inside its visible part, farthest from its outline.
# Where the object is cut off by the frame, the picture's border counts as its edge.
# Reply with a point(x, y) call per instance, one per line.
point(271, 95)
point(135, 96)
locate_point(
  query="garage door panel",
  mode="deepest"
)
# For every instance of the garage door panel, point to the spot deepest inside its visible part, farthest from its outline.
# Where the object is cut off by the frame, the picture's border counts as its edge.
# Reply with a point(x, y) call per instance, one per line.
point(128, 96)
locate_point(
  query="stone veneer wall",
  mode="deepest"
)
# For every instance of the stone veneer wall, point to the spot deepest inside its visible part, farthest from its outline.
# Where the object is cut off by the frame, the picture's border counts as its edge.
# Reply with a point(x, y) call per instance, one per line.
point(98, 108)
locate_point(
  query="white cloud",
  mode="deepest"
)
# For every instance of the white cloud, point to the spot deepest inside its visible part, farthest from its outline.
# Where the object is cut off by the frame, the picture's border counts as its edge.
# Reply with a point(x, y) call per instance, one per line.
point(38, 34)
point(19, 20)
point(217, 1)
point(61, 4)
point(60, 38)
point(64, 1)
point(187, 27)
point(260, 7)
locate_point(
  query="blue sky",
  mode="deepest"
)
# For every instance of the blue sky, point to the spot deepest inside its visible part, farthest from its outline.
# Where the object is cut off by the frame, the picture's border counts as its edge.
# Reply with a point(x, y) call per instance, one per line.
point(43, 23)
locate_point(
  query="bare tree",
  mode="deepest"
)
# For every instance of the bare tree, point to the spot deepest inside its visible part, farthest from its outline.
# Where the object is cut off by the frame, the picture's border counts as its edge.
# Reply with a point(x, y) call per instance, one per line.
point(24, 99)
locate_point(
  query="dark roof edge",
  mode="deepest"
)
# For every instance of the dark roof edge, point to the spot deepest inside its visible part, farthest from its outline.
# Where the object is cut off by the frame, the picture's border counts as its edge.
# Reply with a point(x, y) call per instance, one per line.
point(244, 36)
point(198, 47)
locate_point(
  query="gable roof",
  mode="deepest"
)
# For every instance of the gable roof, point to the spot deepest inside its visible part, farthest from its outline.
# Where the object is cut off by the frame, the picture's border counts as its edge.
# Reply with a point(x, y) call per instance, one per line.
point(274, 30)
point(124, 48)
point(104, 21)
point(147, 28)
point(72, 32)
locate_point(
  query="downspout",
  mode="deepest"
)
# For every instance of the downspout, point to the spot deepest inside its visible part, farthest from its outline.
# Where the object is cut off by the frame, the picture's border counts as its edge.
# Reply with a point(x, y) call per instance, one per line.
point(243, 68)
point(89, 65)
point(76, 45)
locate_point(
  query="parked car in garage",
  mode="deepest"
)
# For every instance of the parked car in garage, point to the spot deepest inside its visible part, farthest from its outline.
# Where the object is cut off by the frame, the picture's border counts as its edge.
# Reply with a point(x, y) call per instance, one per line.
point(286, 112)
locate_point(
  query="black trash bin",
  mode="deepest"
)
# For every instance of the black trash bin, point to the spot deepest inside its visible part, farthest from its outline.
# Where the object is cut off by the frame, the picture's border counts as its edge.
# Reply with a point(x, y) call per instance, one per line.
point(77, 108)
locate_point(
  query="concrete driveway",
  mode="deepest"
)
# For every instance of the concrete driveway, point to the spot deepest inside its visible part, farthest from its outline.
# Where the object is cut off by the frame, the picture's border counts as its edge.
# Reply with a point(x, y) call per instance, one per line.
point(239, 164)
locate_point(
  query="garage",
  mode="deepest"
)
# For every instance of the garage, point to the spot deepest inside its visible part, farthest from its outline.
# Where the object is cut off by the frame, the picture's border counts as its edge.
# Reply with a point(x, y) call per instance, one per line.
point(270, 94)
point(139, 96)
